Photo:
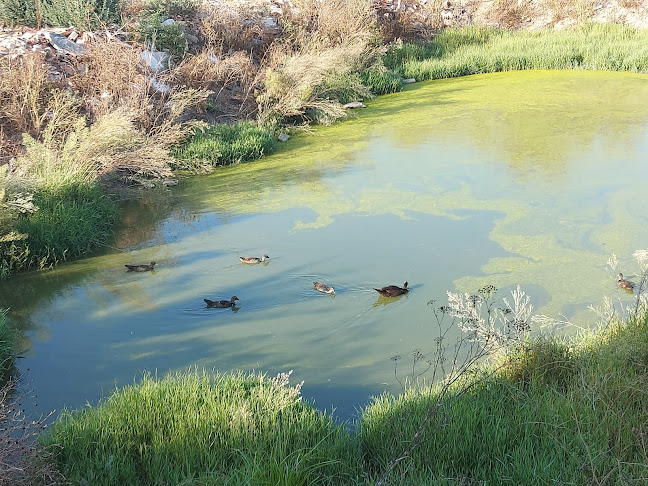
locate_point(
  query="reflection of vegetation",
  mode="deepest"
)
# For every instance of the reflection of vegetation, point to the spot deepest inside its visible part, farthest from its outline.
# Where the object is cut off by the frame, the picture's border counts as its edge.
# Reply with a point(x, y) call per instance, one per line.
point(7, 338)
point(191, 427)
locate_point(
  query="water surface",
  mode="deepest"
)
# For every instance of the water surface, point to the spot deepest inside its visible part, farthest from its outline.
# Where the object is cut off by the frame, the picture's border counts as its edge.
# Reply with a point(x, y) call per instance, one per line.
point(529, 178)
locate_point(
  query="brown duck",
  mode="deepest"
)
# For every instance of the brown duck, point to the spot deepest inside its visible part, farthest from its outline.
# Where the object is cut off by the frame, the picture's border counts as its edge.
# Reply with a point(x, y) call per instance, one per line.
point(141, 268)
point(254, 259)
point(323, 288)
point(624, 284)
point(393, 290)
point(221, 304)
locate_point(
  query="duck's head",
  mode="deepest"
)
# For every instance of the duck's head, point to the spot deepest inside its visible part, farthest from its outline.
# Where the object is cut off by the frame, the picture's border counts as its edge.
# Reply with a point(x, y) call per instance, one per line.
point(153, 264)
point(620, 277)
point(234, 298)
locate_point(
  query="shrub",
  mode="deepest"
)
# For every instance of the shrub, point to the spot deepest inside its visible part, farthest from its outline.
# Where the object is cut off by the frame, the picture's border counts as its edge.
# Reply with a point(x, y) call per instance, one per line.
point(169, 38)
point(381, 81)
point(83, 14)
point(225, 144)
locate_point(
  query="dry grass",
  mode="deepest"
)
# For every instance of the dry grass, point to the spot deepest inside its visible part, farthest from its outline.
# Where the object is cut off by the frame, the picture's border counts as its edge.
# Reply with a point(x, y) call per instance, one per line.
point(231, 79)
point(571, 9)
point(330, 23)
point(228, 28)
point(111, 78)
point(293, 84)
point(24, 86)
point(510, 14)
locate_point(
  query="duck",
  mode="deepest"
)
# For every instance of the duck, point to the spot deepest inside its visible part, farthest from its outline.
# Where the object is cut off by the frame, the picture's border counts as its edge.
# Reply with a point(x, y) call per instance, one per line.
point(624, 284)
point(254, 259)
point(221, 304)
point(393, 290)
point(323, 288)
point(141, 268)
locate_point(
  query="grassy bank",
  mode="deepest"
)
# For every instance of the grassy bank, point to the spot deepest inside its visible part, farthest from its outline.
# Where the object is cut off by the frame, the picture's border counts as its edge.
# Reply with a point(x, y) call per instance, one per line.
point(475, 50)
point(192, 428)
point(556, 411)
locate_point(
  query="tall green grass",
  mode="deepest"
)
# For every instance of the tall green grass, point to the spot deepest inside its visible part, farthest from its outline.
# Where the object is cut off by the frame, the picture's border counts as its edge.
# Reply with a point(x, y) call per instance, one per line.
point(475, 50)
point(561, 413)
point(193, 428)
point(71, 221)
point(225, 144)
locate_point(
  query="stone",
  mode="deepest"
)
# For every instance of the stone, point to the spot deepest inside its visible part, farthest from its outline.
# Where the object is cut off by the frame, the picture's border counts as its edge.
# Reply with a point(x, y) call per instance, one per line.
point(168, 23)
point(283, 137)
point(64, 45)
point(355, 104)
point(170, 182)
point(409, 80)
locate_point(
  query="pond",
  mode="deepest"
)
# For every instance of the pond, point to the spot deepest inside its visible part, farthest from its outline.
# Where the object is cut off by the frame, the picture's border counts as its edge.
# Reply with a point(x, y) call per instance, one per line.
point(532, 178)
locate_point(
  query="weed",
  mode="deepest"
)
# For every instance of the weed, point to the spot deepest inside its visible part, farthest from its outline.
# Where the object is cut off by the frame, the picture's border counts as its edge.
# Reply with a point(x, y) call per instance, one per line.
point(157, 36)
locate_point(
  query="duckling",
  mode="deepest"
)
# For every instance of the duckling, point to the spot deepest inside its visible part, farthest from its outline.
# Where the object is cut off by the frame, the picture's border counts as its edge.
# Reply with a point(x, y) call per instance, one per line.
point(323, 288)
point(624, 284)
point(141, 268)
point(393, 290)
point(221, 304)
point(253, 260)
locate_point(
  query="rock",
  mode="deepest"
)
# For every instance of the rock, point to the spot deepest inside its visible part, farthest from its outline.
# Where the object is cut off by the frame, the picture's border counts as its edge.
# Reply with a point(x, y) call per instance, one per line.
point(170, 182)
point(156, 60)
point(63, 44)
point(191, 39)
point(283, 137)
point(409, 80)
point(355, 104)
point(168, 23)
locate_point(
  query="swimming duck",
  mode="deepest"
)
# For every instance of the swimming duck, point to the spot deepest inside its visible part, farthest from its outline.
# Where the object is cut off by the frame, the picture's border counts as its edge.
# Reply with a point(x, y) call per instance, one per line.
point(141, 268)
point(393, 290)
point(323, 288)
point(624, 284)
point(254, 259)
point(221, 304)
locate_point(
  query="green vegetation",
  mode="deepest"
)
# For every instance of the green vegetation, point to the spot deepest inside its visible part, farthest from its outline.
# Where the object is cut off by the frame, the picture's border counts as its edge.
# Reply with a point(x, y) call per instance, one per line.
point(83, 14)
point(225, 144)
point(561, 412)
point(474, 50)
point(191, 428)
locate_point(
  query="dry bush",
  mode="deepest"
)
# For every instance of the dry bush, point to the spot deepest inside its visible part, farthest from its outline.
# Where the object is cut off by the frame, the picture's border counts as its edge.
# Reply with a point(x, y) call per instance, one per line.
point(571, 9)
point(209, 70)
point(292, 81)
point(632, 3)
point(510, 14)
point(231, 79)
point(331, 23)
point(226, 27)
point(22, 462)
point(111, 78)
point(24, 85)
